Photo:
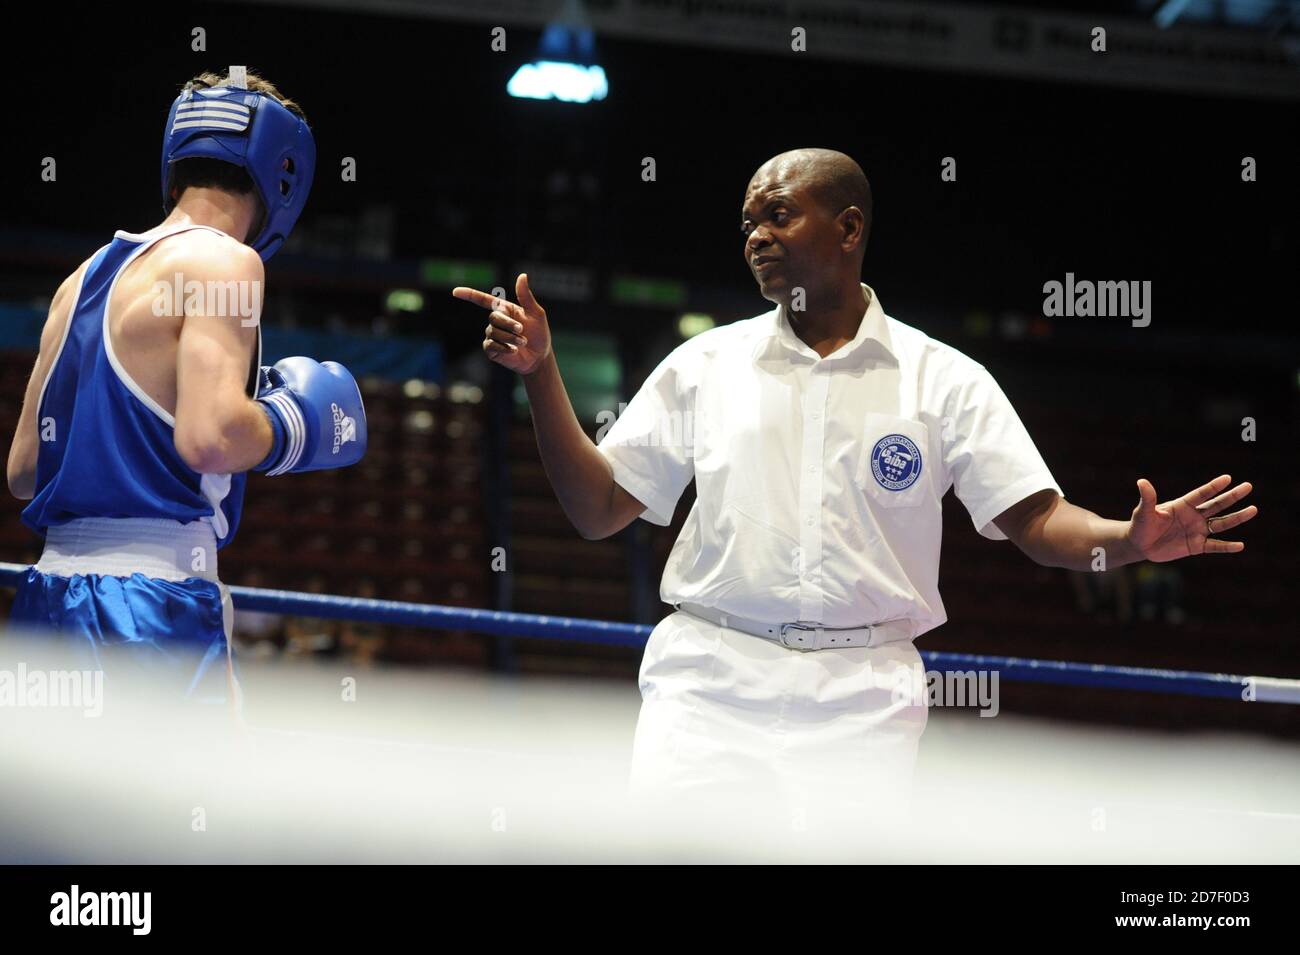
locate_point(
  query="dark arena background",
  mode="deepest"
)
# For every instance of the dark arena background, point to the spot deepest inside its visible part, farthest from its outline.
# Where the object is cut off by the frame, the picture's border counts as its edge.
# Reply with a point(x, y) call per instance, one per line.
point(1170, 158)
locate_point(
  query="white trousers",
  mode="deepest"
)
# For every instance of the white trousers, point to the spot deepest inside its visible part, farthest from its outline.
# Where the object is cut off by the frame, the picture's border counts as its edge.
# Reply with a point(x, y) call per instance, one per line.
point(727, 716)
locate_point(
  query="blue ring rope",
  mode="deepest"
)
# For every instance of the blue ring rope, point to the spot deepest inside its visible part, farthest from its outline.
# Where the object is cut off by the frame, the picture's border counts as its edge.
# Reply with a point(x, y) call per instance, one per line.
point(501, 623)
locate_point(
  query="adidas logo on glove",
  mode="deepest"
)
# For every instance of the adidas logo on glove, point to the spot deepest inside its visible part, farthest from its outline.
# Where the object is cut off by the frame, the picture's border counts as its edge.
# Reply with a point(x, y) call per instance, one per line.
point(307, 403)
point(345, 428)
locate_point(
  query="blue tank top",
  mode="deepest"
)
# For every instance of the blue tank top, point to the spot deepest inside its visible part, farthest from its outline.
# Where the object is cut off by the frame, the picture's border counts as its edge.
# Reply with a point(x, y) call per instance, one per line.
point(106, 447)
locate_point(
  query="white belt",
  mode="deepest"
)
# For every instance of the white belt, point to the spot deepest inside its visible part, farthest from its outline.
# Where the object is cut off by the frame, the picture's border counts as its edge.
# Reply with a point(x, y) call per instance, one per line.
point(122, 546)
point(807, 636)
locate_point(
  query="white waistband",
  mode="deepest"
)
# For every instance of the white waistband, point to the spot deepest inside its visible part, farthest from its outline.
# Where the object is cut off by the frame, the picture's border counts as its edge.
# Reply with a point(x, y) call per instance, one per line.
point(122, 546)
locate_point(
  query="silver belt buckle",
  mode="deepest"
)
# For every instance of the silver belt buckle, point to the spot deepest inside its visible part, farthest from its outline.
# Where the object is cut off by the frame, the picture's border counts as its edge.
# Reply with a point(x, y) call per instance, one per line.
point(800, 643)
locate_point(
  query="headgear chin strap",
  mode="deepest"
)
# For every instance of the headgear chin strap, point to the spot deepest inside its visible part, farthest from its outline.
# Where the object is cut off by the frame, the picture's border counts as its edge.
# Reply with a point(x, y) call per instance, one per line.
point(253, 131)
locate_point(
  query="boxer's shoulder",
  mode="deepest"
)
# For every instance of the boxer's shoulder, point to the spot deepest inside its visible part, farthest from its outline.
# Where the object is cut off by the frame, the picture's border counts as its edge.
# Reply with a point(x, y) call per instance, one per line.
point(204, 254)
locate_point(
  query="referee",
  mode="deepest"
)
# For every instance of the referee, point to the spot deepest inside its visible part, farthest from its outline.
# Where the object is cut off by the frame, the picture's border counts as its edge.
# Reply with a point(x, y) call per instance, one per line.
point(822, 436)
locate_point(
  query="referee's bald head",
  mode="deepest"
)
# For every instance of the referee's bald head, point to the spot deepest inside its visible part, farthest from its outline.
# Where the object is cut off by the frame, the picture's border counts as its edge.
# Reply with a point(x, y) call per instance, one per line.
point(806, 218)
point(835, 179)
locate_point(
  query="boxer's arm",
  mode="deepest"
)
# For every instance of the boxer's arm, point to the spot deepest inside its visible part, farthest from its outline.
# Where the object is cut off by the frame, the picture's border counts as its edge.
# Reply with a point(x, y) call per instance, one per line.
point(219, 429)
point(21, 471)
point(581, 476)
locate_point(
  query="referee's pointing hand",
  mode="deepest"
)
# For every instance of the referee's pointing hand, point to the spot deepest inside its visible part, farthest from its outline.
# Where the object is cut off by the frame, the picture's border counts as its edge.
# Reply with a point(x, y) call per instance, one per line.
point(516, 336)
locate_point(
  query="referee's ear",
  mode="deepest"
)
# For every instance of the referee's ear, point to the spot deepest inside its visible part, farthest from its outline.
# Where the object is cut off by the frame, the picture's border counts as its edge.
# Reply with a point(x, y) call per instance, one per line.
point(856, 227)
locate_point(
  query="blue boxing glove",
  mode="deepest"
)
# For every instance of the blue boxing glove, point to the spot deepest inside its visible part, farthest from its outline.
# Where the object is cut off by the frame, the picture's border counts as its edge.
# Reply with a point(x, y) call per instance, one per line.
point(316, 414)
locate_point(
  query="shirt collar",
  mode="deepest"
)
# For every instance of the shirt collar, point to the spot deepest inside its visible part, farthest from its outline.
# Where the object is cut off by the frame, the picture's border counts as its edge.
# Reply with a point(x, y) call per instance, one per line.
point(872, 336)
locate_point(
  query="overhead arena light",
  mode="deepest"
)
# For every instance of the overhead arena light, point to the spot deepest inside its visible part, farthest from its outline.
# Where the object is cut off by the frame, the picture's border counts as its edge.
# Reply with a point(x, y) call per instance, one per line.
point(569, 82)
point(565, 68)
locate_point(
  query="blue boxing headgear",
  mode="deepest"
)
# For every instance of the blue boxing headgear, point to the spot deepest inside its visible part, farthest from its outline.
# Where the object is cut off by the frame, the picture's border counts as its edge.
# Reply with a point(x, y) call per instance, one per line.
point(251, 130)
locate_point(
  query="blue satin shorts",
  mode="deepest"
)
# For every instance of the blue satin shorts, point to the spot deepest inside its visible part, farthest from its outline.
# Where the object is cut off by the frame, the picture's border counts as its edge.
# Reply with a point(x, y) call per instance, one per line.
point(175, 634)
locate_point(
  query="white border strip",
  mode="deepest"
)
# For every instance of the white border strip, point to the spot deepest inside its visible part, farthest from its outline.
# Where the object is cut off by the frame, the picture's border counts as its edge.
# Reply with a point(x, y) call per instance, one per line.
point(295, 427)
point(1269, 689)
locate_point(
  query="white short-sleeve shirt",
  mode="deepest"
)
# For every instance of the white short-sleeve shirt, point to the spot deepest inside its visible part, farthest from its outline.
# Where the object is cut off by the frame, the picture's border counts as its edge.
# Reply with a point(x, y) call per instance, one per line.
point(819, 480)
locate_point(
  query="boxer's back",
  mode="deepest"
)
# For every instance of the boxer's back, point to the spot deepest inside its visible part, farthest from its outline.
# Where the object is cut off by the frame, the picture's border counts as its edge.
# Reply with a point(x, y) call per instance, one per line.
point(107, 403)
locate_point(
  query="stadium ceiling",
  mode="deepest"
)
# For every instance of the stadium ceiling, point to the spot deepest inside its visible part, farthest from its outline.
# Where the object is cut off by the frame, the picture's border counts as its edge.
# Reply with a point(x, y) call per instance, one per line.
point(1275, 17)
point(1223, 47)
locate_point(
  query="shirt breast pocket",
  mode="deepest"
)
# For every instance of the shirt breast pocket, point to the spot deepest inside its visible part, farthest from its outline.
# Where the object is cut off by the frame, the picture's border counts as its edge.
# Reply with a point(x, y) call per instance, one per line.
point(893, 467)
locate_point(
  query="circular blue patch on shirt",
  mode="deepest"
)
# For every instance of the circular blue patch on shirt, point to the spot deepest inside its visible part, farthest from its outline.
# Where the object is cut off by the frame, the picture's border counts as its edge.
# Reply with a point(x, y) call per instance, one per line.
point(896, 462)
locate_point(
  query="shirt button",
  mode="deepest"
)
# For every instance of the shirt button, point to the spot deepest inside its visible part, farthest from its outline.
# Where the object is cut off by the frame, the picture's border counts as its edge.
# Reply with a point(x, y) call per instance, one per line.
point(810, 522)
point(812, 469)
point(816, 415)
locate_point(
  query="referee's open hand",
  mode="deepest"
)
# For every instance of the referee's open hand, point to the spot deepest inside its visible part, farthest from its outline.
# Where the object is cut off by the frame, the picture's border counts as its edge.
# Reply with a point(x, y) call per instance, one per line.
point(516, 336)
point(1184, 527)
